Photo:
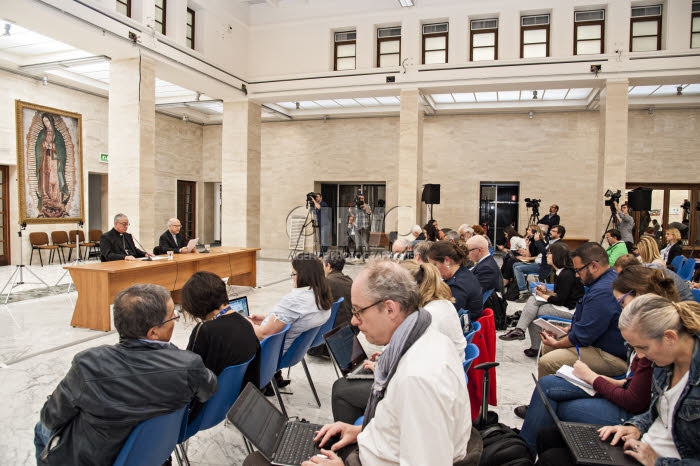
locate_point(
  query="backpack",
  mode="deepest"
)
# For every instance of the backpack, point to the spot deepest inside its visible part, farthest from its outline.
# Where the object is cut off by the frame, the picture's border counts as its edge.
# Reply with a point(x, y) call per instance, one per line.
point(503, 446)
point(498, 305)
point(511, 292)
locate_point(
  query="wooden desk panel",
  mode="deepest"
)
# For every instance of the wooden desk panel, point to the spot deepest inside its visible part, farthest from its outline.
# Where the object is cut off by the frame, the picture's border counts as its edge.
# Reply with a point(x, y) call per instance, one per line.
point(98, 283)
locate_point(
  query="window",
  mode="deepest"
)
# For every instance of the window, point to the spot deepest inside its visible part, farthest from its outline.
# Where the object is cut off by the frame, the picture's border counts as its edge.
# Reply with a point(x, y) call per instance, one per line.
point(435, 43)
point(345, 48)
point(124, 7)
point(695, 27)
point(589, 32)
point(645, 30)
point(189, 33)
point(534, 36)
point(388, 47)
point(484, 40)
point(160, 16)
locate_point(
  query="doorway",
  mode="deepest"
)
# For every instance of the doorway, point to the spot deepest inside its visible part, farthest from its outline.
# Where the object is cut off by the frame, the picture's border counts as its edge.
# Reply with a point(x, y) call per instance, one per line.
point(186, 205)
point(498, 208)
point(341, 196)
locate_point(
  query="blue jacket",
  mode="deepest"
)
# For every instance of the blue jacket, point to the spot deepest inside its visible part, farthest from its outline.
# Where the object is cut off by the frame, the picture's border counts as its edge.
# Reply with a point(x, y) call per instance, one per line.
point(595, 319)
point(686, 413)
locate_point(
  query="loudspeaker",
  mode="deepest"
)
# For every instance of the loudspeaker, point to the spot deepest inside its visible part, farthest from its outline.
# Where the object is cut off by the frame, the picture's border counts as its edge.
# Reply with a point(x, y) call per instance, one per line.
point(639, 199)
point(431, 194)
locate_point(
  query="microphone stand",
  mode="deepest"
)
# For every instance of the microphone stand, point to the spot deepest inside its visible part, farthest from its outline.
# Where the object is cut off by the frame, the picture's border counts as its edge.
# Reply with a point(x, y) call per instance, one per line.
point(17, 277)
point(79, 258)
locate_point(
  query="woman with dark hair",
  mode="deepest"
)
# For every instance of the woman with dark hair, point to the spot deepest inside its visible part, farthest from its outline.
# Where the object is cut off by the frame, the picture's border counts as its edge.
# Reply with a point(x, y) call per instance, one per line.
point(449, 258)
point(559, 303)
point(430, 231)
point(305, 307)
point(223, 337)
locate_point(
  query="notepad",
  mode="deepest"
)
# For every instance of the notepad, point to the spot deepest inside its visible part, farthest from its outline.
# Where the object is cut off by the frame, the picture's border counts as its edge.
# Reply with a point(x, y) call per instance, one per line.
point(566, 372)
point(192, 244)
point(554, 329)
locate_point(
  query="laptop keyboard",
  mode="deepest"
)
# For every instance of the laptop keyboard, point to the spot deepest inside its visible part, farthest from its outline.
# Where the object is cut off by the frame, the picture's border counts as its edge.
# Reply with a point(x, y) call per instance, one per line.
point(364, 371)
point(584, 442)
point(297, 444)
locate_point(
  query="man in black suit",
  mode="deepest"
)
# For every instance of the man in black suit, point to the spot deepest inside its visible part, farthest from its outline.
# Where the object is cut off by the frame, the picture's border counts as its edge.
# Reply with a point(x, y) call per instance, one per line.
point(117, 244)
point(172, 239)
point(486, 269)
point(551, 219)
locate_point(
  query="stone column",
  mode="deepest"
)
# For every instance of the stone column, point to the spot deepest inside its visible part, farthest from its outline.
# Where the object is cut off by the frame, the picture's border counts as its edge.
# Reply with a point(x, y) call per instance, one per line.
point(240, 174)
point(612, 166)
point(131, 135)
point(410, 161)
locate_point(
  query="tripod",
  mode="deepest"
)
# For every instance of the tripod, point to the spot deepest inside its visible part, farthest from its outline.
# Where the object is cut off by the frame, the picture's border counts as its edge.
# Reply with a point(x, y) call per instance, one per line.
point(309, 220)
point(612, 220)
point(78, 260)
point(535, 217)
point(17, 277)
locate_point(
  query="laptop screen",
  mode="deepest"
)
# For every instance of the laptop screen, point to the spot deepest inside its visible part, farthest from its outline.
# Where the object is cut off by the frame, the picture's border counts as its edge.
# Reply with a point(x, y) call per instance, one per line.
point(257, 419)
point(240, 305)
point(345, 347)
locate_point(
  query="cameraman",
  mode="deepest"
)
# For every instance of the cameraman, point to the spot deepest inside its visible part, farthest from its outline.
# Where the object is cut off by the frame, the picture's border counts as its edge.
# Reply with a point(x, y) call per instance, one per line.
point(362, 214)
point(323, 220)
point(551, 219)
point(625, 223)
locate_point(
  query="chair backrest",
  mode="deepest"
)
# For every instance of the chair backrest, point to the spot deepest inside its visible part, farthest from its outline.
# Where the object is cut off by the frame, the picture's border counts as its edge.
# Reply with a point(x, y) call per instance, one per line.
point(270, 353)
point(81, 236)
point(677, 263)
point(215, 409)
point(471, 352)
point(486, 295)
point(696, 294)
point(59, 237)
point(38, 238)
point(298, 349)
point(152, 440)
point(95, 235)
point(476, 326)
point(686, 272)
point(330, 323)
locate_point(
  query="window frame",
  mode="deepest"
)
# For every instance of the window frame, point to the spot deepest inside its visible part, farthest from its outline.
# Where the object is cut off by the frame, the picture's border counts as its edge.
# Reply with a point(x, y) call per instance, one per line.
point(127, 3)
point(473, 32)
point(694, 14)
point(380, 40)
point(445, 34)
point(532, 28)
point(336, 43)
point(191, 12)
point(164, 9)
point(600, 22)
point(644, 19)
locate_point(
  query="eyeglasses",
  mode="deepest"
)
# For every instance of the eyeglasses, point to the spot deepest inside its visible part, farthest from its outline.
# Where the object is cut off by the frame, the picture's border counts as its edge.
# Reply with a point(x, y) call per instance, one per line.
point(622, 298)
point(473, 249)
point(126, 224)
point(177, 316)
point(176, 226)
point(583, 267)
point(356, 312)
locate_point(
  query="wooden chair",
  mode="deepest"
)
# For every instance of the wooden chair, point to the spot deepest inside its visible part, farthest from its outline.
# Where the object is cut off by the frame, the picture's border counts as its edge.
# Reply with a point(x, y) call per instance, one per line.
point(83, 244)
point(60, 239)
point(40, 242)
point(94, 237)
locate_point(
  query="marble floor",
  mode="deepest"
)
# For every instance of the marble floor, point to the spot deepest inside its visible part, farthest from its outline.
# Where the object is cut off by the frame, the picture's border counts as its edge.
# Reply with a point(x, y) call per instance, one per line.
point(37, 345)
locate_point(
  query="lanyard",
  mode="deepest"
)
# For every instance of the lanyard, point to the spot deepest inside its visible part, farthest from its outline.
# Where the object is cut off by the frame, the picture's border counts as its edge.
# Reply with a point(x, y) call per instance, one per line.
point(223, 311)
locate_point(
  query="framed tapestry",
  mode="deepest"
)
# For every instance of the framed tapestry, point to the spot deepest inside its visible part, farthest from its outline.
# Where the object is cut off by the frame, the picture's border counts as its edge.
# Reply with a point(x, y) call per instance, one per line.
point(49, 164)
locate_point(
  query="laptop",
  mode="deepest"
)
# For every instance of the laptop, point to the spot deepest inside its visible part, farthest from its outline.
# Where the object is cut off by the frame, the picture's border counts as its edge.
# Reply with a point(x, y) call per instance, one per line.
point(583, 441)
point(347, 353)
point(240, 305)
point(282, 441)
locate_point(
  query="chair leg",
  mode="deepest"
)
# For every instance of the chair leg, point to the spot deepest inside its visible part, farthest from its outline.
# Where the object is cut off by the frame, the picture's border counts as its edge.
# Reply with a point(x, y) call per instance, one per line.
point(31, 256)
point(183, 453)
point(311, 382)
point(248, 445)
point(279, 397)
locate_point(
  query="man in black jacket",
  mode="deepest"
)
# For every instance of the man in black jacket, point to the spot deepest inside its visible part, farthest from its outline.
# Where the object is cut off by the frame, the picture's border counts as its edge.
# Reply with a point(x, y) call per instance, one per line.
point(486, 268)
point(117, 244)
point(172, 239)
point(110, 389)
point(551, 219)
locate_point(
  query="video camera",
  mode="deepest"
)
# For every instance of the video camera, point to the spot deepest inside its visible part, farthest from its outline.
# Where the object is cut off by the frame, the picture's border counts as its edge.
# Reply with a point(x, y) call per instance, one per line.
point(532, 203)
point(613, 197)
point(310, 198)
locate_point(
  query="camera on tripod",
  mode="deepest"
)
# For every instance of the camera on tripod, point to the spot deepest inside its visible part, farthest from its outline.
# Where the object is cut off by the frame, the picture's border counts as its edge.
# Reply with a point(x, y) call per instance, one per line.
point(613, 197)
point(532, 203)
point(310, 199)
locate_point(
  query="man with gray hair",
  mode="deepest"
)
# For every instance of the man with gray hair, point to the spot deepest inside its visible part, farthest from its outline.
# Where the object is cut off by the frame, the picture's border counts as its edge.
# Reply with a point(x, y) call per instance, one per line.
point(486, 268)
point(417, 376)
point(401, 248)
point(117, 244)
point(420, 251)
point(453, 236)
point(465, 231)
point(172, 239)
point(109, 389)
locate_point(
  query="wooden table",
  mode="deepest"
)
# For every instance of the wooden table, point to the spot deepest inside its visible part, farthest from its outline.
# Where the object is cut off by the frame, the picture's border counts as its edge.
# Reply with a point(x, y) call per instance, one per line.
point(98, 283)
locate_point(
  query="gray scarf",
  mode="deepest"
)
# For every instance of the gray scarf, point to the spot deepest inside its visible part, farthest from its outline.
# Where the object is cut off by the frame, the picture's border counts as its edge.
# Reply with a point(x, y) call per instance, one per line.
point(410, 330)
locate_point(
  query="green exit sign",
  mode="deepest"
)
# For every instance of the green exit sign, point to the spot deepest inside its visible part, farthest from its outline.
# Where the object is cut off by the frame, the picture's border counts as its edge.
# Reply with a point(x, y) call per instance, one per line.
point(104, 158)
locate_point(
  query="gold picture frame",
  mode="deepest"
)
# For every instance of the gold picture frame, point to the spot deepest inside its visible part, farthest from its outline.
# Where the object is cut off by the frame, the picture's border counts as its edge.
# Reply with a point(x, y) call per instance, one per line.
point(49, 164)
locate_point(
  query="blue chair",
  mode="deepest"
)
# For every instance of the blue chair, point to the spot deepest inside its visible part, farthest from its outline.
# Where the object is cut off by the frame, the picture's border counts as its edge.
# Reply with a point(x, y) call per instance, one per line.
point(152, 440)
point(328, 326)
point(686, 272)
point(476, 326)
point(486, 296)
point(215, 409)
point(471, 352)
point(696, 294)
point(677, 263)
point(270, 354)
point(295, 354)
point(359, 421)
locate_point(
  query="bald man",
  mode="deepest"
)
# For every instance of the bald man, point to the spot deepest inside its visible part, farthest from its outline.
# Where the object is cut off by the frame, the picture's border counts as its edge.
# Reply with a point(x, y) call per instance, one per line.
point(486, 269)
point(172, 239)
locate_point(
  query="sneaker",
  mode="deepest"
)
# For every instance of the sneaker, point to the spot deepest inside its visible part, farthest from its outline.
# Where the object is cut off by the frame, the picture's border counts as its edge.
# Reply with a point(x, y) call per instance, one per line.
point(531, 352)
point(268, 390)
point(524, 296)
point(515, 334)
point(521, 411)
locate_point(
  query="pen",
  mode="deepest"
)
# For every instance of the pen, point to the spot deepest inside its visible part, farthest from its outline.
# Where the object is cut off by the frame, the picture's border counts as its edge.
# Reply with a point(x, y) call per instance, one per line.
point(578, 351)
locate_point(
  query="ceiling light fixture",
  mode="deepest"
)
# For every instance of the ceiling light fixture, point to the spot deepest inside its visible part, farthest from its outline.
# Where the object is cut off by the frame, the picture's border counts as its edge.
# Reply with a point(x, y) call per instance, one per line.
point(406, 3)
point(530, 114)
point(298, 106)
point(185, 119)
point(534, 95)
point(679, 90)
point(45, 81)
point(8, 26)
point(199, 96)
point(650, 111)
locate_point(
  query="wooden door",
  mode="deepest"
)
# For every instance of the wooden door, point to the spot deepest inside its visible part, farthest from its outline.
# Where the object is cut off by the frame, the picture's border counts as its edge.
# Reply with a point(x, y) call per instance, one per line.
point(186, 207)
point(4, 214)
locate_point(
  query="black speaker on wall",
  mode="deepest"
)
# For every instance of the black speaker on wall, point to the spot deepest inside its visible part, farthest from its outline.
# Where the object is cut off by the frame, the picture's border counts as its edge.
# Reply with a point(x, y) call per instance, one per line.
point(639, 199)
point(431, 194)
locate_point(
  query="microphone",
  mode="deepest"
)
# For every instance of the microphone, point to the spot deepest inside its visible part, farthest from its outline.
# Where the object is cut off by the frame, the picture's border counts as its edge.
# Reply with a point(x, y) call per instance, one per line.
point(147, 258)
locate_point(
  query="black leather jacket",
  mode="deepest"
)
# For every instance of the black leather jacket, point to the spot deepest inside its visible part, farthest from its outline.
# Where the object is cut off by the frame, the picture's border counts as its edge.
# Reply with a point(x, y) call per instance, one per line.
point(109, 389)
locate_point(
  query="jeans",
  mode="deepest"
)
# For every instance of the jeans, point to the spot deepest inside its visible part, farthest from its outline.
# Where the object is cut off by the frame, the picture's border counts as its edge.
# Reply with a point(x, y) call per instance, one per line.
point(571, 404)
point(520, 269)
point(42, 434)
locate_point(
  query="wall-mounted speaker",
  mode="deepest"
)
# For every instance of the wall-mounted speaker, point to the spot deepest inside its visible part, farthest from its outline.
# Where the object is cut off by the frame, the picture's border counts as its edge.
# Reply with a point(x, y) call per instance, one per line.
point(639, 199)
point(431, 194)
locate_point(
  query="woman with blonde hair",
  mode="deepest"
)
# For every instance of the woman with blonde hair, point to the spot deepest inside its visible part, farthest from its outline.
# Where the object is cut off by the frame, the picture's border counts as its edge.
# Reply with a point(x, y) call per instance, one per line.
point(649, 252)
point(673, 247)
